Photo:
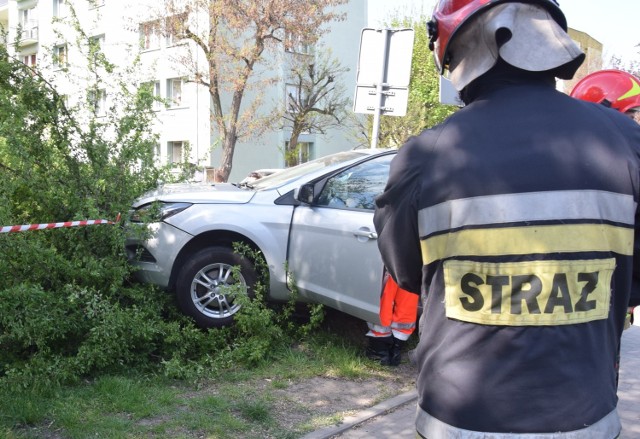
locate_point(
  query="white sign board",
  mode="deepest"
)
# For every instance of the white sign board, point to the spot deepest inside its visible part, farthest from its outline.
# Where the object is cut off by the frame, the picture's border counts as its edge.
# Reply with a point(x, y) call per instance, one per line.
point(384, 71)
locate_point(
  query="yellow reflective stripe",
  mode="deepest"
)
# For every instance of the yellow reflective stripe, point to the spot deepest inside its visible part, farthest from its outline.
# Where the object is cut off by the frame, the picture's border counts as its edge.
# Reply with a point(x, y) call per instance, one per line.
point(635, 90)
point(531, 293)
point(528, 240)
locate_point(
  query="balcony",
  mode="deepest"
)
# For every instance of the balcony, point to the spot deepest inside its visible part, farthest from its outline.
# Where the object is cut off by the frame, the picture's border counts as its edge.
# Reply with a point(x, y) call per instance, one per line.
point(29, 33)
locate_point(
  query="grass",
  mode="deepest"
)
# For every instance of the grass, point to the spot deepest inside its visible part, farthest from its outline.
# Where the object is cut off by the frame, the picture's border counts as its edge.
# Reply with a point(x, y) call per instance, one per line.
point(220, 404)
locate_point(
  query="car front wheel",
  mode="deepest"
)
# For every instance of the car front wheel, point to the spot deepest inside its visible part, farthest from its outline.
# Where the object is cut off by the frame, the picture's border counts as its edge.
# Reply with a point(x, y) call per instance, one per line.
point(207, 287)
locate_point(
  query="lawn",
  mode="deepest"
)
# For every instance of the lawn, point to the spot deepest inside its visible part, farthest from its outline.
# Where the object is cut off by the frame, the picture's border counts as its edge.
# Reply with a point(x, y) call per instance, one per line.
point(309, 386)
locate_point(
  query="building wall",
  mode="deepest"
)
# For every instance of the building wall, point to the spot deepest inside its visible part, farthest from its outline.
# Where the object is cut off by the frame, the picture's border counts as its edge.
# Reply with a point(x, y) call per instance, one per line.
point(267, 150)
point(592, 63)
point(117, 23)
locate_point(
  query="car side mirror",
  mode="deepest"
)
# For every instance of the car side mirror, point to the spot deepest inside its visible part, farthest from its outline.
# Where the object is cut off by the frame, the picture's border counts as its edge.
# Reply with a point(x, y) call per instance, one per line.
point(306, 193)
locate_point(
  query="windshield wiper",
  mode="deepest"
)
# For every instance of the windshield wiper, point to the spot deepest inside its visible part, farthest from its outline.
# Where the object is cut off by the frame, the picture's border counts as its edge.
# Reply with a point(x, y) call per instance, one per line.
point(243, 185)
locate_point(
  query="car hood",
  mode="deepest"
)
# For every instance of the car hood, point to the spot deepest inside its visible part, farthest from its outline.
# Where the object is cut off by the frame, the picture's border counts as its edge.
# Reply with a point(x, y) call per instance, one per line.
point(197, 193)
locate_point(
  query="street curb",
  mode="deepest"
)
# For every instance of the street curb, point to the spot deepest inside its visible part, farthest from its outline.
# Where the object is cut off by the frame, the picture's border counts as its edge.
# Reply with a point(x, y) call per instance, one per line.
point(352, 421)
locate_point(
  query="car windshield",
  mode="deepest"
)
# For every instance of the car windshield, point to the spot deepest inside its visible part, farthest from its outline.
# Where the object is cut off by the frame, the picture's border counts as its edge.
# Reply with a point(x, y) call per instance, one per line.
point(288, 174)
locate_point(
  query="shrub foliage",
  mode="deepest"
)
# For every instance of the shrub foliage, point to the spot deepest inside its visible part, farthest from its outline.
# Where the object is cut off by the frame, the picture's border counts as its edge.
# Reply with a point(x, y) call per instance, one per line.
point(68, 309)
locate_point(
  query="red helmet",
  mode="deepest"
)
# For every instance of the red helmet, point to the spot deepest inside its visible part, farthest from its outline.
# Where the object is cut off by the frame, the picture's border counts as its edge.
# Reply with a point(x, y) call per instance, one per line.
point(613, 88)
point(450, 15)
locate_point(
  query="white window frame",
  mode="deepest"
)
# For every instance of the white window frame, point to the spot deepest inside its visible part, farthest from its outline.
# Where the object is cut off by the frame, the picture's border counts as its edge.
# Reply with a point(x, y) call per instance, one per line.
point(98, 39)
point(294, 93)
point(60, 8)
point(175, 147)
point(175, 99)
point(157, 105)
point(292, 44)
point(150, 36)
point(173, 40)
point(95, 3)
point(30, 59)
point(28, 19)
point(305, 151)
point(97, 98)
point(60, 56)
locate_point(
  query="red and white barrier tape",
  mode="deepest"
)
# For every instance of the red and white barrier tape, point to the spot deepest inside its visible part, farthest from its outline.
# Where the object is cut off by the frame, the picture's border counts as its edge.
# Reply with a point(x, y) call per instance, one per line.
point(27, 227)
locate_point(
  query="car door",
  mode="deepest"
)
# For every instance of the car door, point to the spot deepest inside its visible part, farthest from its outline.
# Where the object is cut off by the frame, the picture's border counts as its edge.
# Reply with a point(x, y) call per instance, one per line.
point(333, 253)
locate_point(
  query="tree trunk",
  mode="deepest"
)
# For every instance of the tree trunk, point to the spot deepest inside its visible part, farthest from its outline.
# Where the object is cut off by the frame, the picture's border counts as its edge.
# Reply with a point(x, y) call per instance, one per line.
point(226, 162)
point(291, 153)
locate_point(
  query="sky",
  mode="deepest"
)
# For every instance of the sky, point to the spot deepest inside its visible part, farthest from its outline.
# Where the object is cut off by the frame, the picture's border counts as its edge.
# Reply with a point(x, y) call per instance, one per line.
point(614, 23)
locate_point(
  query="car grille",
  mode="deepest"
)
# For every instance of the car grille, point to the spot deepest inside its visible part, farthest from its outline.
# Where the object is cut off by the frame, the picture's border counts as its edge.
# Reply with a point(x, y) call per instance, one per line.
point(139, 253)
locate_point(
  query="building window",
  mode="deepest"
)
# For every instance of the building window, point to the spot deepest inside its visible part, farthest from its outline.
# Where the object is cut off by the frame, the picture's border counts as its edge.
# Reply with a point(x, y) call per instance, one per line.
point(173, 39)
point(28, 17)
point(98, 101)
point(28, 20)
point(302, 154)
point(295, 44)
point(154, 88)
point(60, 56)
point(174, 29)
point(96, 42)
point(65, 100)
point(175, 149)
point(59, 8)
point(295, 96)
point(30, 60)
point(174, 92)
point(149, 36)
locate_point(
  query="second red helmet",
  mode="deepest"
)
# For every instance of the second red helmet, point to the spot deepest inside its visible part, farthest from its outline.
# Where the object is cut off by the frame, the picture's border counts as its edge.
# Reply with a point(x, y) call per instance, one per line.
point(614, 88)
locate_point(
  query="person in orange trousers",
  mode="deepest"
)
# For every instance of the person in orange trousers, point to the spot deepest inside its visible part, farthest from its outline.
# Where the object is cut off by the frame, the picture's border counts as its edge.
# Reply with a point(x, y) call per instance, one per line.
point(398, 314)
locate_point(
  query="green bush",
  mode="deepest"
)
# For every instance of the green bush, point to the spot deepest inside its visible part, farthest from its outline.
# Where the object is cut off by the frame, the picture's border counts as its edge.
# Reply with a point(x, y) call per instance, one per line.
point(68, 309)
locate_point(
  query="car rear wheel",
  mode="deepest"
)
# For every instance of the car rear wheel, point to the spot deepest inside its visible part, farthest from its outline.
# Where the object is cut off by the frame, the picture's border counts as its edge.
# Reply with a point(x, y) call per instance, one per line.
point(207, 287)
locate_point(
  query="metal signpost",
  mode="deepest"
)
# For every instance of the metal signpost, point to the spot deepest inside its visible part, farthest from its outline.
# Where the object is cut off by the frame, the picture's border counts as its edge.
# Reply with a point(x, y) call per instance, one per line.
point(384, 71)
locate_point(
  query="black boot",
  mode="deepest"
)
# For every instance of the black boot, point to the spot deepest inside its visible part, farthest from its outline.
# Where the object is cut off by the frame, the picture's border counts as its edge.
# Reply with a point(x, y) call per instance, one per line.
point(395, 354)
point(380, 349)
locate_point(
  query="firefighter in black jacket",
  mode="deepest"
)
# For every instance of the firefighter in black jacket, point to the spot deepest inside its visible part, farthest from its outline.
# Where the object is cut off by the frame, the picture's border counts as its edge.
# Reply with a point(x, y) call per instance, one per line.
point(516, 219)
point(619, 90)
point(616, 89)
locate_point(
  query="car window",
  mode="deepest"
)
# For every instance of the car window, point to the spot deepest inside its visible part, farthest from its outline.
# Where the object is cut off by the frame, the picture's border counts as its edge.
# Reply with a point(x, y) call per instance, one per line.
point(289, 174)
point(358, 186)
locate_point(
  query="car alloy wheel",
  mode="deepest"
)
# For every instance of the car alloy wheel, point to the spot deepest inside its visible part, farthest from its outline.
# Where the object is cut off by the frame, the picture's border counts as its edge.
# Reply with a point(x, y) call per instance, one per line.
point(208, 284)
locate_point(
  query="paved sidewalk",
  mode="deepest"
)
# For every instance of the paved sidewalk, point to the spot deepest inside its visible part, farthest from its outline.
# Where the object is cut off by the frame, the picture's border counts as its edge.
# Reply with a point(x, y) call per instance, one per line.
point(394, 418)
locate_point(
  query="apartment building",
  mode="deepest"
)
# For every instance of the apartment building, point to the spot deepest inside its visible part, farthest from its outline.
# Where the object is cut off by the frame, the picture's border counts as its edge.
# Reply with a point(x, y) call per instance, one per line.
point(38, 32)
point(593, 61)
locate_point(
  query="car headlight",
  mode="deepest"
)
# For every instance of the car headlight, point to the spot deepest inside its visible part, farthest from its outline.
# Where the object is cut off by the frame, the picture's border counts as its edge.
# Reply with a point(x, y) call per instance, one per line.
point(156, 211)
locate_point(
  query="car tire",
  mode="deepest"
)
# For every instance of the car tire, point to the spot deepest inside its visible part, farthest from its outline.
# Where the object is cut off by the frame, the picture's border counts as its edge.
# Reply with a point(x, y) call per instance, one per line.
point(201, 286)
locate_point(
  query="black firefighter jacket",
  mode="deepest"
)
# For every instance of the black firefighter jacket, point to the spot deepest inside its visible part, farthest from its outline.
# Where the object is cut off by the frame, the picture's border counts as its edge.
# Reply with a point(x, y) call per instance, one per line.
point(517, 219)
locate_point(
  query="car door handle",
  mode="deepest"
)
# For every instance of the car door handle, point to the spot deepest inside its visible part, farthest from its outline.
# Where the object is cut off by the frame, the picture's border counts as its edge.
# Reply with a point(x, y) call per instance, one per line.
point(366, 233)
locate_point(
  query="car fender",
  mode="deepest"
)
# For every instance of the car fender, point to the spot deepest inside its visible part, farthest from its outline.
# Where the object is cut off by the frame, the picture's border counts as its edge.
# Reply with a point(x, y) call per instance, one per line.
point(266, 225)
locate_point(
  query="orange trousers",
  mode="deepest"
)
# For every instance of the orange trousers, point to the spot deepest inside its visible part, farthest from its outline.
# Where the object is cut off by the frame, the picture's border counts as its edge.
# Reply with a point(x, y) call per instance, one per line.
point(398, 312)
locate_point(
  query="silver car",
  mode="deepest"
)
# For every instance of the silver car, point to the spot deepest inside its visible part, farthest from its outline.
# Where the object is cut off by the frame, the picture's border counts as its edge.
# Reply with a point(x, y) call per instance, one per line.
point(313, 223)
